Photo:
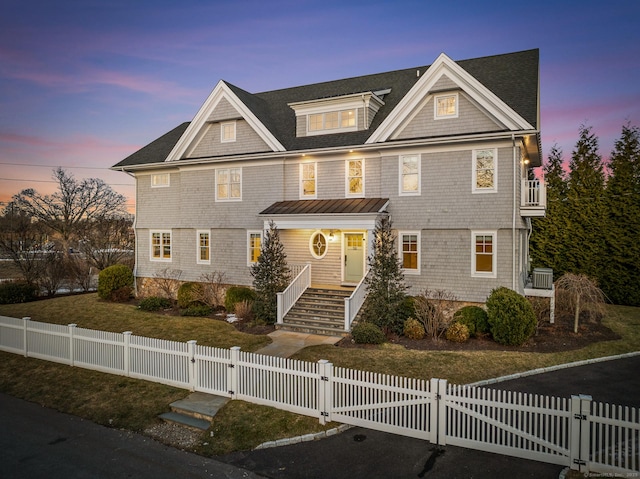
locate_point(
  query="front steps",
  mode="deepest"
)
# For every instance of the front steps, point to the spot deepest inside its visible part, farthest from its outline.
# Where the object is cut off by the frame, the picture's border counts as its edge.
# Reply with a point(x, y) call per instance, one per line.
point(318, 311)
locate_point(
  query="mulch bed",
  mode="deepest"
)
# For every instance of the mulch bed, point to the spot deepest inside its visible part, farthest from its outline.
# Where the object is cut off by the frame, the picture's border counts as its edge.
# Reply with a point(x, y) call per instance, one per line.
point(550, 338)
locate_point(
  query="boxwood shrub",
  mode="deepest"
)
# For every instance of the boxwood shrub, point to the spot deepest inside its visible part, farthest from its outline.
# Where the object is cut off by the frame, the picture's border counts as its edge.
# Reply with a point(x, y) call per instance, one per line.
point(236, 294)
point(13, 292)
point(474, 318)
point(115, 283)
point(511, 317)
point(154, 303)
point(365, 332)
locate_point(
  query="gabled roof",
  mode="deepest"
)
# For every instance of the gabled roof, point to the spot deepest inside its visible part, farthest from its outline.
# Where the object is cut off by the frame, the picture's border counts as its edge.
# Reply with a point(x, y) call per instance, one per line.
point(511, 78)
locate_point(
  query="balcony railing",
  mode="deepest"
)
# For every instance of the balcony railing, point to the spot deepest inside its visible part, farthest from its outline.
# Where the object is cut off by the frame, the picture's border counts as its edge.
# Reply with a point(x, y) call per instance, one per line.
point(533, 200)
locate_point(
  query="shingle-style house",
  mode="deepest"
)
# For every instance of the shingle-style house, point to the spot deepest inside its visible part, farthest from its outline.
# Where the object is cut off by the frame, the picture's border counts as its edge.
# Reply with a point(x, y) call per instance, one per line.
point(444, 150)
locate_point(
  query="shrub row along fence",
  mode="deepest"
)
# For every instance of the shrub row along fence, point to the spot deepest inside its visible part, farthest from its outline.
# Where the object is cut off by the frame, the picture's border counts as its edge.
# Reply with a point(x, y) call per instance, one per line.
point(575, 432)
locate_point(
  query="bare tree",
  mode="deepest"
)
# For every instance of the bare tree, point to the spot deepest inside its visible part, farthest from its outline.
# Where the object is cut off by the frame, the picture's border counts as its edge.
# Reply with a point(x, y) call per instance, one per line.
point(167, 281)
point(211, 289)
point(583, 295)
point(108, 241)
point(434, 309)
point(74, 205)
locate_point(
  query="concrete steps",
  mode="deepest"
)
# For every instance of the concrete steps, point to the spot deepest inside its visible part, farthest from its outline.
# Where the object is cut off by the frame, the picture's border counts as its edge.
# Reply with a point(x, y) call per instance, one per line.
point(195, 411)
point(318, 311)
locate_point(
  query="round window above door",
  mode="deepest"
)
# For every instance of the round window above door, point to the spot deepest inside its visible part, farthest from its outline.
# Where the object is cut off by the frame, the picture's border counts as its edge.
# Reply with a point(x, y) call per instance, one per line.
point(318, 245)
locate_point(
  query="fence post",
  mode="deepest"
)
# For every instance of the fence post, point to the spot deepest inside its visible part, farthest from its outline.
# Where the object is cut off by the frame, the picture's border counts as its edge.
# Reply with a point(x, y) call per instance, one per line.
point(580, 434)
point(191, 345)
point(126, 352)
point(279, 308)
point(437, 408)
point(232, 372)
point(24, 335)
point(325, 391)
point(72, 328)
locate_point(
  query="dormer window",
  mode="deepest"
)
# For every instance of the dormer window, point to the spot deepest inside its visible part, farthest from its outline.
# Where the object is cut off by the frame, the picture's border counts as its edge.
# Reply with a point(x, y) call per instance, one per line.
point(336, 114)
point(334, 120)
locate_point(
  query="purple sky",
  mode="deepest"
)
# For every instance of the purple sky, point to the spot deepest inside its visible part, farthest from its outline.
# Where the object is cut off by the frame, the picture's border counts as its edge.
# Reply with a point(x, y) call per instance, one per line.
point(85, 83)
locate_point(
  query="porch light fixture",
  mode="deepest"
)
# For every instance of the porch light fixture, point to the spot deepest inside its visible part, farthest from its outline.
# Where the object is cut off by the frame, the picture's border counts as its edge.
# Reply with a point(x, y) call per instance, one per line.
point(332, 237)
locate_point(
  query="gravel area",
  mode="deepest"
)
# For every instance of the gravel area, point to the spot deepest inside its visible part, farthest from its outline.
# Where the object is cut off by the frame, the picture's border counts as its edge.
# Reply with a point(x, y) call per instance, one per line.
point(174, 435)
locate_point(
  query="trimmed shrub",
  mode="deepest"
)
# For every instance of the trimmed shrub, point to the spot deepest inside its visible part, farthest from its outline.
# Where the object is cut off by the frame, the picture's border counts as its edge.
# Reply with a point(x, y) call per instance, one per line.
point(413, 329)
point(188, 294)
point(235, 294)
point(197, 310)
point(115, 283)
point(154, 303)
point(367, 333)
point(457, 332)
point(474, 318)
point(244, 310)
point(511, 317)
point(13, 292)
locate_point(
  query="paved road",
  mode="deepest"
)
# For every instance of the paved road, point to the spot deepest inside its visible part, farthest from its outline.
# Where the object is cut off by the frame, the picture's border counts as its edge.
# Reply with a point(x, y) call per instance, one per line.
point(37, 443)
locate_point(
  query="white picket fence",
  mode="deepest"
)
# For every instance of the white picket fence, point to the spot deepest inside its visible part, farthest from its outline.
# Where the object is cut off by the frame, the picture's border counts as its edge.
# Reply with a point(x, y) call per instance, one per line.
point(575, 432)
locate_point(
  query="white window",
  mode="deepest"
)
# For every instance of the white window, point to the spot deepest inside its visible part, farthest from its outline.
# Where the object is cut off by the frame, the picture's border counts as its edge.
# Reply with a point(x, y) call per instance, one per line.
point(485, 173)
point(308, 180)
point(409, 175)
point(203, 246)
point(229, 184)
point(254, 246)
point(354, 178)
point(332, 120)
point(160, 245)
point(484, 254)
point(228, 132)
point(409, 251)
point(318, 245)
point(159, 180)
point(446, 106)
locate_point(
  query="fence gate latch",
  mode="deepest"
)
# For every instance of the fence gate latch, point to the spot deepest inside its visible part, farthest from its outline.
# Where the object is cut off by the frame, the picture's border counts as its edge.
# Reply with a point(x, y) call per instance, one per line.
point(580, 462)
point(324, 378)
point(324, 413)
point(581, 417)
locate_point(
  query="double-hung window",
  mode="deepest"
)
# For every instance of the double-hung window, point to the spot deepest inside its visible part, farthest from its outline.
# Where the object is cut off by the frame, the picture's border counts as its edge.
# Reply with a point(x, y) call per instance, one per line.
point(409, 175)
point(332, 120)
point(483, 258)
point(160, 247)
point(308, 180)
point(355, 178)
point(409, 246)
point(485, 175)
point(229, 184)
point(203, 247)
point(254, 246)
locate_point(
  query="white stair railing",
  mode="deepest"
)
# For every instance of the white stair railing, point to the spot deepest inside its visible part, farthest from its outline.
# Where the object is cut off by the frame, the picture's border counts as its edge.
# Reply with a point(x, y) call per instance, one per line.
point(288, 297)
point(353, 303)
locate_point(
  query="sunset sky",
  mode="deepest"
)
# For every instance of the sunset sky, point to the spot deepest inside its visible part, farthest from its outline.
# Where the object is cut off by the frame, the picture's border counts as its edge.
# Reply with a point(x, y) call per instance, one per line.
point(85, 83)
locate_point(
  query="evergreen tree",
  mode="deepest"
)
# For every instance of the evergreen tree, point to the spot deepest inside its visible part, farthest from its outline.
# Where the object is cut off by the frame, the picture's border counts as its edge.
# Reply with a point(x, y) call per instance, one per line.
point(620, 278)
point(271, 275)
point(385, 281)
point(548, 242)
point(584, 235)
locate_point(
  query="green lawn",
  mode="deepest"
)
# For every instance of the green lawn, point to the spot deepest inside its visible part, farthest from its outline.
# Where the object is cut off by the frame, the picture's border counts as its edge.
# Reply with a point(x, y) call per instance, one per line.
point(134, 404)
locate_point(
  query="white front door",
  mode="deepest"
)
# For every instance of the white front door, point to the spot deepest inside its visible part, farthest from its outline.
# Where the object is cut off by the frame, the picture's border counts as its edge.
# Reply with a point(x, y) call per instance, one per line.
point(354, 257)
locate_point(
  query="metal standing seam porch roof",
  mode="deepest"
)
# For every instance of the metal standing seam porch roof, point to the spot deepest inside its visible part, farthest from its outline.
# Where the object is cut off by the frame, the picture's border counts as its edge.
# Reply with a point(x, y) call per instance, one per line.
point(353, 206)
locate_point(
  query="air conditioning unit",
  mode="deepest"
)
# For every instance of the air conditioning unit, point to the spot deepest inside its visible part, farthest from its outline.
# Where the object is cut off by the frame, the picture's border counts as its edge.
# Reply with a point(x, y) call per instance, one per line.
point(542, 278)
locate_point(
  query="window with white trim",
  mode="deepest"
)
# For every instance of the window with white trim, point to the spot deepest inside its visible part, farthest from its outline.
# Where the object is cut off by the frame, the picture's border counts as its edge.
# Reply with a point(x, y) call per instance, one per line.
point(409, 175)
point(485, 170)
point(409, 251)
point(355, 177)
point(158, 180)
point(318, 245)
point(203, 246)
point(228, 132)
point(254, 246)
point(160, 245)
point(483, 256)
point(445, 106)
point(308, 180)
point(332, 120)
point(229, 184)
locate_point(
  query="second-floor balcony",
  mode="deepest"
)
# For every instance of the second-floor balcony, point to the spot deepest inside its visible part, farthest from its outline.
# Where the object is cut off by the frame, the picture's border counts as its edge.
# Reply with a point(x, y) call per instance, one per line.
point(533, 200)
